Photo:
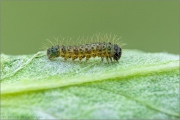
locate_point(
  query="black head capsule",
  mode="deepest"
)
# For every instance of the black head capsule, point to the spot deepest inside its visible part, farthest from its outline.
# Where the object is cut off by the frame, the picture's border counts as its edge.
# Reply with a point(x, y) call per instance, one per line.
point(53, 52)
point(117, 53)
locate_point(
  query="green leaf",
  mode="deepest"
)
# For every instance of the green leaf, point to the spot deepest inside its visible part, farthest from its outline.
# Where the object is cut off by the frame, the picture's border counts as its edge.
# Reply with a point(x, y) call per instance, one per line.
point(141, 86)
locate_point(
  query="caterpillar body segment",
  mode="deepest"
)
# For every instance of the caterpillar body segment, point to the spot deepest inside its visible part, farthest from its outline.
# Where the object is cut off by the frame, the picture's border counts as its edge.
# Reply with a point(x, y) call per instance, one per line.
point(86, 51)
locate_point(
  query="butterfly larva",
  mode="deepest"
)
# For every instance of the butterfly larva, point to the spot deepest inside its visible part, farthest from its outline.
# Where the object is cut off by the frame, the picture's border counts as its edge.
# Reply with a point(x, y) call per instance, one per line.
point(106, 50)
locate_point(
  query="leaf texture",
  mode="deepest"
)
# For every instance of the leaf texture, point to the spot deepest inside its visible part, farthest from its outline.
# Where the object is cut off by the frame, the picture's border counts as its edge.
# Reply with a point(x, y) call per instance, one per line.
point(141, 86)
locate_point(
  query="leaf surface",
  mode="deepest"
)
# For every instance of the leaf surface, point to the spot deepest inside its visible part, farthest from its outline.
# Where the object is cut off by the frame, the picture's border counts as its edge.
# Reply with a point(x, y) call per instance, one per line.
point(141, 86)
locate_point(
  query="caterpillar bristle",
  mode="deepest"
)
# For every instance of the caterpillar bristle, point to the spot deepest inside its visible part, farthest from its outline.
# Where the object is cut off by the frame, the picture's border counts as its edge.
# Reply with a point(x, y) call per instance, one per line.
point(56, 40)
point(98, 45)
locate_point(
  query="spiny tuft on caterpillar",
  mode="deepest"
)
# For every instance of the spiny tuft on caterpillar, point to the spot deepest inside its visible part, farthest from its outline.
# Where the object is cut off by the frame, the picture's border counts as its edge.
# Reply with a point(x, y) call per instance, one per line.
point(106, 50)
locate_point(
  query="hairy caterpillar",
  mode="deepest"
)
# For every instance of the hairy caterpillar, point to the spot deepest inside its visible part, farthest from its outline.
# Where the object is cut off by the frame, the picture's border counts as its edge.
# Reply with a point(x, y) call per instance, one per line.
point(106, 50)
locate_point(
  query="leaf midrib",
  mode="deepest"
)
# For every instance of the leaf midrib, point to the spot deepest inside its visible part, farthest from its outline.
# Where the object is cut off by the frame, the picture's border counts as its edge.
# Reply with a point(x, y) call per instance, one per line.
point(55, 82)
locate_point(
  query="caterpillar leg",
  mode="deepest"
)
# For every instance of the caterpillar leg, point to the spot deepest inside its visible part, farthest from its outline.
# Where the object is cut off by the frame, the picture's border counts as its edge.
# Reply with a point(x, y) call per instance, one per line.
point(65, 59)
point(88, 56)
point(80, 58)
point(107, 60)
point(110, 59)
point(102, 58)
point(87, 59)
point(116, 61)
point(93, 55)
point(74, 58)
point(114, 58)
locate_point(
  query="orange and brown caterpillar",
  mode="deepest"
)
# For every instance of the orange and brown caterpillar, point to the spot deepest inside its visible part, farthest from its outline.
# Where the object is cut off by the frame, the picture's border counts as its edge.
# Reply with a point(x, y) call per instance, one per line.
point(99, 49)
point(110, 49)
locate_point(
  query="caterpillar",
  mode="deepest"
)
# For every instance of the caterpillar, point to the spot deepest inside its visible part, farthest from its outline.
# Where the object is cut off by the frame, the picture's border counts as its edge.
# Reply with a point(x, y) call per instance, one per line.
point(107, 50)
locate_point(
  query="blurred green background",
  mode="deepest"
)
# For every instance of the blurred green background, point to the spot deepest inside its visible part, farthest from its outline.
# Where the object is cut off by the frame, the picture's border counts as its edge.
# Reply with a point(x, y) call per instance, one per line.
point(151, 25)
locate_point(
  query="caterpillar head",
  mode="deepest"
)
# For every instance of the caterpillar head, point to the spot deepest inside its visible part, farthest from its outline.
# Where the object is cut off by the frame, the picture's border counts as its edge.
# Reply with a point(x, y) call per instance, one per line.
point(53, 52)
point(117, 53)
